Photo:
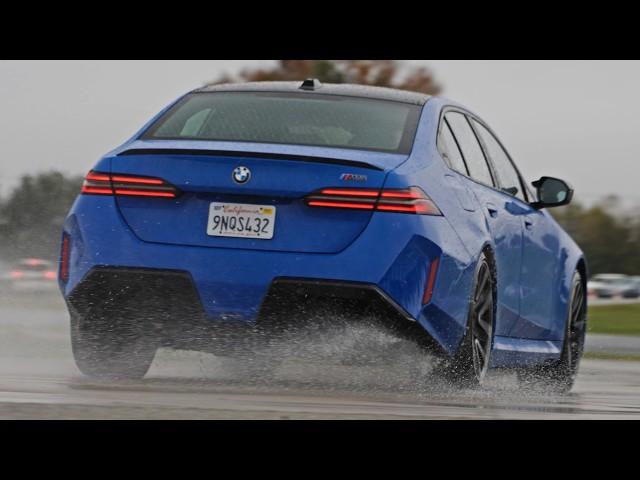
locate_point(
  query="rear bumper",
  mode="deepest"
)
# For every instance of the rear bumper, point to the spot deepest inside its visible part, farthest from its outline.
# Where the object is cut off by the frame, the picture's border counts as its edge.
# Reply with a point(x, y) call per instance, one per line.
point(170, 300)
point(391, 257)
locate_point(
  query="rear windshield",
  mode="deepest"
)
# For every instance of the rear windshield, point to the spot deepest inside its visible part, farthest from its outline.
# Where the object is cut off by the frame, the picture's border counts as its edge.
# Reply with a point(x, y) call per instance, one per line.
point(297, 119)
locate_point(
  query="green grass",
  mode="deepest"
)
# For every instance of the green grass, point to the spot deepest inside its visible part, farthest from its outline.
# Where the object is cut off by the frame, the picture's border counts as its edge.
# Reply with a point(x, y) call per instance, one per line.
point(612, 356)
point(615, 319)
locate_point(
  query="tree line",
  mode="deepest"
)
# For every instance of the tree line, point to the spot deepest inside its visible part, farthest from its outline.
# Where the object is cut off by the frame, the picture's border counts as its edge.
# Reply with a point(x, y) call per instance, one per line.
point(608, 235)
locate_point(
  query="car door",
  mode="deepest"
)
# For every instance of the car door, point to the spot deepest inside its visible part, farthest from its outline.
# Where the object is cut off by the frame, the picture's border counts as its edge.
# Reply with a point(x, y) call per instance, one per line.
point(504, 223)
point(539, 246)
point(542, 277)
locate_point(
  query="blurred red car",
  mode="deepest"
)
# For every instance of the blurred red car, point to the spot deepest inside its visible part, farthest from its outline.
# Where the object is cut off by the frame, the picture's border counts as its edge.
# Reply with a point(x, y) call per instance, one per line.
point(32, 275)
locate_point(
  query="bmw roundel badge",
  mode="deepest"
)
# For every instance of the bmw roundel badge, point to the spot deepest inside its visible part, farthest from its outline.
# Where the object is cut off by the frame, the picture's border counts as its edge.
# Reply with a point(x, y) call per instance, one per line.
point(241, 174)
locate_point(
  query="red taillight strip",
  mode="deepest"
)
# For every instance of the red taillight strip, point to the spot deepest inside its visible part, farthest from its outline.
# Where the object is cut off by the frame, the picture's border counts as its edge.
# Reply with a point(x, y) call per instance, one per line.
point(322, 203)
point(97, 183)
point(350, 198)
point(97, 177)
point(96, 191)
point(411, 194)
point(349, 193)
point(409, 200)
point(418, 208)
point(145, 181)
point(143, 193)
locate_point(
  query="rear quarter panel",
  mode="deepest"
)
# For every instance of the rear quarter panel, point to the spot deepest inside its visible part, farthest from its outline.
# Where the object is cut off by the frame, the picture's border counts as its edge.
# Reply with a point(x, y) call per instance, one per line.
point(446, 316)
point(570, 259)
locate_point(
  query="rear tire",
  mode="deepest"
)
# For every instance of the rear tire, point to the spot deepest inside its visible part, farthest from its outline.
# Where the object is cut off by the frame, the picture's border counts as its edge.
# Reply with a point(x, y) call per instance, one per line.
point(470, 364)
point(559, 376)
point(109, 348)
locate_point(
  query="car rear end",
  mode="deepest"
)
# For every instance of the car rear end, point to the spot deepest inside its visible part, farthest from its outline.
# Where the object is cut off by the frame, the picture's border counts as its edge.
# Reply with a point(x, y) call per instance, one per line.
point(610, 285)
point(32, 275)
point(283, 196)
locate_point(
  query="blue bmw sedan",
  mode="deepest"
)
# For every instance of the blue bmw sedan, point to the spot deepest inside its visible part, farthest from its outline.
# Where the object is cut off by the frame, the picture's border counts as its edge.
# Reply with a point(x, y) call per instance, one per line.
point(241, 208)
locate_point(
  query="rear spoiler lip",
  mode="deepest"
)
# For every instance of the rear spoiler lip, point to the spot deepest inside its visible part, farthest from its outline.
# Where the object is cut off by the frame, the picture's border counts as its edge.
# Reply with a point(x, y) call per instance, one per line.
point(236, 153)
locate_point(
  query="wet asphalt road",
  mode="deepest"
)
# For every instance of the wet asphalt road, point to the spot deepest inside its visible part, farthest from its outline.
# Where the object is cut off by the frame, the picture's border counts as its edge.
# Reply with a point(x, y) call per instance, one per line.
point(39, 380)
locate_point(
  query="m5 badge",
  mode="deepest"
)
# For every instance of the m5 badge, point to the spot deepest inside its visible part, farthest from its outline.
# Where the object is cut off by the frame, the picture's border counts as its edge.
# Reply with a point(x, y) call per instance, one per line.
point(353, 177)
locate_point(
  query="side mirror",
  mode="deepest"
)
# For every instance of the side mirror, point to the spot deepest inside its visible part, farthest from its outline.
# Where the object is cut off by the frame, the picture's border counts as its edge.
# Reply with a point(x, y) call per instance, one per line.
point(552, 192)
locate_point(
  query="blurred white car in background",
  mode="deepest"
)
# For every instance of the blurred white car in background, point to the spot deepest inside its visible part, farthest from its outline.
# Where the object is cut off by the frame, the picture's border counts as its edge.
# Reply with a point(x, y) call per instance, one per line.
point(608, 285)
point(31, 275)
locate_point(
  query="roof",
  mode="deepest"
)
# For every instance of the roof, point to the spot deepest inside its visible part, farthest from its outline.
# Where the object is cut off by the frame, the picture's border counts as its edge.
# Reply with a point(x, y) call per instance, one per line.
point(344, 89)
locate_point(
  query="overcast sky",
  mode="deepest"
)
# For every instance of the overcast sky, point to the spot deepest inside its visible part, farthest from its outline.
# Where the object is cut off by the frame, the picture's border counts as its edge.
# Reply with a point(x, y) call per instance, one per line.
point(576, 120)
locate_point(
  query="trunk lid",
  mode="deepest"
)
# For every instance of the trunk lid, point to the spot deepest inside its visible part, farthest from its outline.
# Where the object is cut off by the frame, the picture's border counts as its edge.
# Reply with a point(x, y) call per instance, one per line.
point(281, 176)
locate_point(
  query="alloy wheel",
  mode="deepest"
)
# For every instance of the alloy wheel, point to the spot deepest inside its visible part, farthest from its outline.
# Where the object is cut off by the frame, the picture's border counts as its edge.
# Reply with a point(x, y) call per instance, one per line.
point(576, 329)
point(482, 322)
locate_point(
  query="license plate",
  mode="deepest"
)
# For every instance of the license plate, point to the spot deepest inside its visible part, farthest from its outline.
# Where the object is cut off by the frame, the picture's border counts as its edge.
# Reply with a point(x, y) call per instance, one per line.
point(241, 220)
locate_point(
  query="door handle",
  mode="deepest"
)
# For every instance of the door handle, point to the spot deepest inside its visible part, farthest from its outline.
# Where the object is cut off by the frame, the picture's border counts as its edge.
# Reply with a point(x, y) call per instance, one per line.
point(493, 210)
point(528, 224)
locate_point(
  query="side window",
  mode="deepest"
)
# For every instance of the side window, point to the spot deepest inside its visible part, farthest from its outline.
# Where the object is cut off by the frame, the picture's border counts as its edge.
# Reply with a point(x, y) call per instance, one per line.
point(508, 177)
point(449, 148)
point(471, 150)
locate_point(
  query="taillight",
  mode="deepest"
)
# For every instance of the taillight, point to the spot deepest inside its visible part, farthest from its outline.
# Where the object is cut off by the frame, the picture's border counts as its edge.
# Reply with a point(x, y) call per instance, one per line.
point(49, 275)
point(33, 262)
point(97, 183)
point(16, 274)
point(406, 200)
point(65, 253)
